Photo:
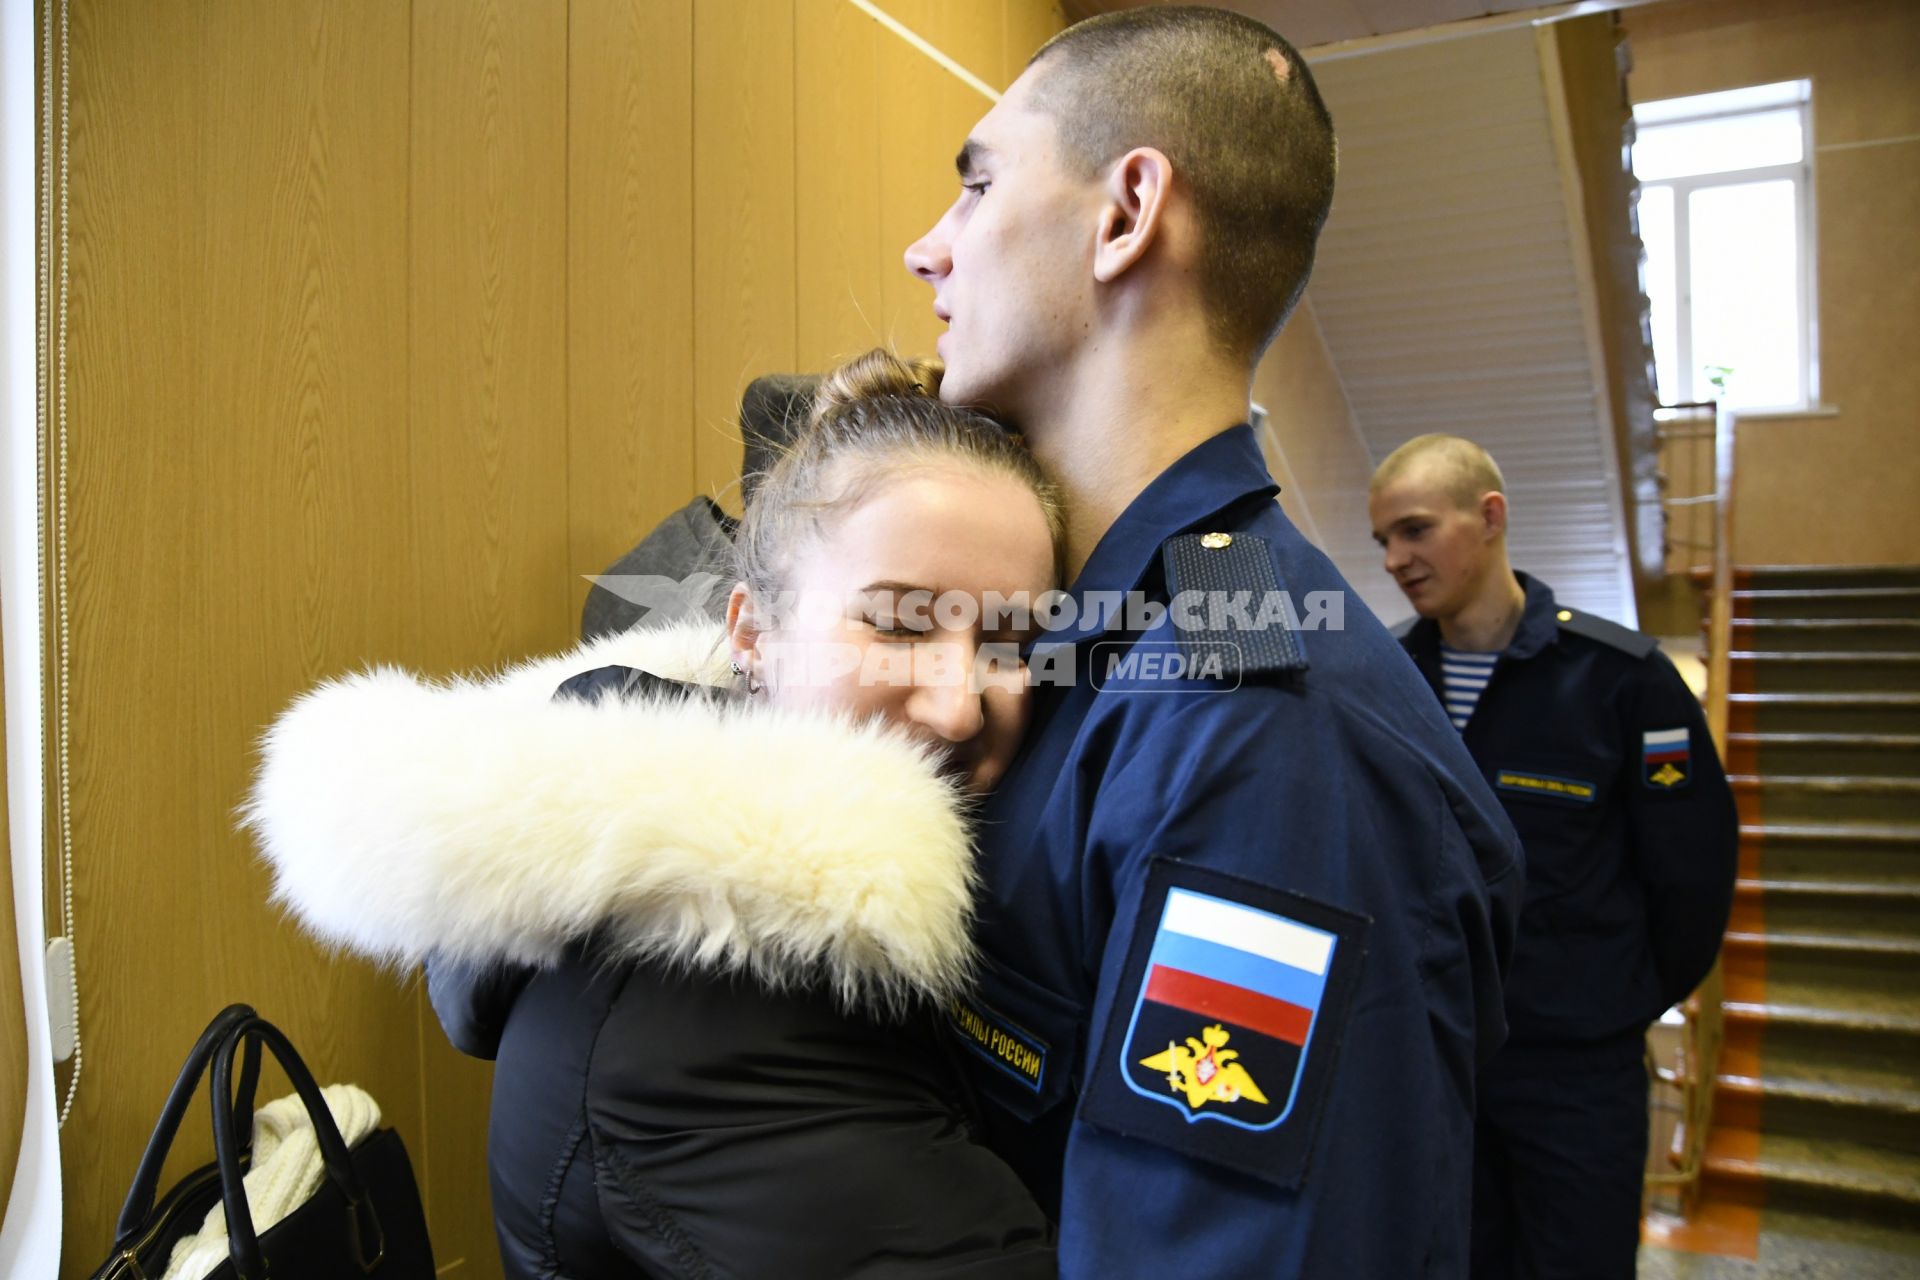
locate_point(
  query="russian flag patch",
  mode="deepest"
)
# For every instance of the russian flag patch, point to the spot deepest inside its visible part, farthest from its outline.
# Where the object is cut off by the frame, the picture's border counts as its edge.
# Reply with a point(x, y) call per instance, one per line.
point(1666, 758)
point(1223, 1039)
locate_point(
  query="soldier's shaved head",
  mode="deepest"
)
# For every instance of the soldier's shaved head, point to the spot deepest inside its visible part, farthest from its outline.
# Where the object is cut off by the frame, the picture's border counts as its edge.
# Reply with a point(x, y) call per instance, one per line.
point(1458, 467)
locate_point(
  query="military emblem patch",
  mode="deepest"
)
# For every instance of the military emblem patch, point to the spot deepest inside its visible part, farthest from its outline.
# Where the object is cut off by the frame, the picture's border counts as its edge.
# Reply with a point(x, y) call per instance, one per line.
point(1667, 758)
point(1223, 1039)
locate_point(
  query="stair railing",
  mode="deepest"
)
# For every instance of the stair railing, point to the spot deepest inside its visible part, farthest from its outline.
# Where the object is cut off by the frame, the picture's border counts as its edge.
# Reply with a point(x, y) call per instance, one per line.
point(1697, 449)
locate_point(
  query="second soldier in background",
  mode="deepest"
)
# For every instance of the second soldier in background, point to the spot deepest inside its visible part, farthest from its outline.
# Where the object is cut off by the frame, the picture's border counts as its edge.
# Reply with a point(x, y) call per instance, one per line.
point(1601, 755)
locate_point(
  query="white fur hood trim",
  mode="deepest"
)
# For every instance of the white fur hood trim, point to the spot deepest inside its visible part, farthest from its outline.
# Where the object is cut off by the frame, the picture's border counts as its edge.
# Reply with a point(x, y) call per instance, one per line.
point(481, 820)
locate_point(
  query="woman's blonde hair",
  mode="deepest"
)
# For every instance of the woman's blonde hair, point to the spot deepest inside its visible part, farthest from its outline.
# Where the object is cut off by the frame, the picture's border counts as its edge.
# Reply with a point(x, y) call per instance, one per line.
point(874, 418)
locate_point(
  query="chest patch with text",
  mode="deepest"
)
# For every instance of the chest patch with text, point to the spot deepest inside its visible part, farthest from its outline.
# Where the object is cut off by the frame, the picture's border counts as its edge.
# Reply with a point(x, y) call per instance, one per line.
point(1547, 785)
point(1003, 1043)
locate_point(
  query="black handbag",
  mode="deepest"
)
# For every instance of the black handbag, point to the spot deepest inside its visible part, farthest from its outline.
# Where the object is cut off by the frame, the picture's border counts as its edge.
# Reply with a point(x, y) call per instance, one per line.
point(364, 1220)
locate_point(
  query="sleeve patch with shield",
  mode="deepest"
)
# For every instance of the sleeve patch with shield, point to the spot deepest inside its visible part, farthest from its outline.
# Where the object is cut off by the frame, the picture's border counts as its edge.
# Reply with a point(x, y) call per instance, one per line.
point(1224, 1035)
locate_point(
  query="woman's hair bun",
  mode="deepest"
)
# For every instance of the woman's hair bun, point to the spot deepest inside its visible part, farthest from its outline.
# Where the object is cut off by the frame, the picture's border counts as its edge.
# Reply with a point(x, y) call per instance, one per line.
point(877, 375)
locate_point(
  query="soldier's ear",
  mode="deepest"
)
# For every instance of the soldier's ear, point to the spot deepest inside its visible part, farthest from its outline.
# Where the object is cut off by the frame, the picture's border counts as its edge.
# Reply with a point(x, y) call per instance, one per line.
point(1137, 190)
point(1493, 513)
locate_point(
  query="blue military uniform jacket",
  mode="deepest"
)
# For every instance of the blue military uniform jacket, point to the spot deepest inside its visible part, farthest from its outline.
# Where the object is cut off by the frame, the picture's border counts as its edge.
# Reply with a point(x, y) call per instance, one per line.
point(1600, 753)
point(1247, 902)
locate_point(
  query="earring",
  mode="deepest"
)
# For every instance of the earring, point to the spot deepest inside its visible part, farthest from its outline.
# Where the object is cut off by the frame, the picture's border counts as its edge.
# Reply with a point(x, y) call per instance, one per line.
point(753, 682)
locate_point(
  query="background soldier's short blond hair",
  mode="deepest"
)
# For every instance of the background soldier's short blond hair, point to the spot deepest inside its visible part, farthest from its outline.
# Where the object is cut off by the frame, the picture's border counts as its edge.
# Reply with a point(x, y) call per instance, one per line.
point(1459, 466)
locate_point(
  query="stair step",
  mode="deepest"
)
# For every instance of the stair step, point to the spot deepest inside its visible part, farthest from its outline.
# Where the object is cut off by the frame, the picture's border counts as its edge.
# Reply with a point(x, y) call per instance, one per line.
point(1842, 851)
point(1887, 1017)
point(1842, 833)
point(1860, 1053)
point(1796, 1169)
point(1836, 784)
point(1820, 577)
point(1846, 891)
point(1827, 1093)
point(1878, 946)
point(1828, 754)
point(1828, 602)
point(1890, 712)
point(1821, 1107)
point(1891, 657)
point(1863, 636)
point(1827, 798)
point(1826, 671)
point(1836, 741)
point(1889, 912)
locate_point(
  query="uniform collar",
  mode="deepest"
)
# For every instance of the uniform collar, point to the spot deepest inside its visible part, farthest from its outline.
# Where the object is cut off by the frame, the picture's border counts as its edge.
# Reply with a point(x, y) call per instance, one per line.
point(1539, 621)
point(1216, 474)
point(1539, 624)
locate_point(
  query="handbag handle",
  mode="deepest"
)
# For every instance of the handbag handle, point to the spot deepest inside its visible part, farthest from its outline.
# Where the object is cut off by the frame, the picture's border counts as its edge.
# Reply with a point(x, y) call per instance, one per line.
point(138, 1206)
point(243, 1245)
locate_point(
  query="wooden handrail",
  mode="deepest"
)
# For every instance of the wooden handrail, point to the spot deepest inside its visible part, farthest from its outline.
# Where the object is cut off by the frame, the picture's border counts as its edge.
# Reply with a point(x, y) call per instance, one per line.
point(1697, 1064)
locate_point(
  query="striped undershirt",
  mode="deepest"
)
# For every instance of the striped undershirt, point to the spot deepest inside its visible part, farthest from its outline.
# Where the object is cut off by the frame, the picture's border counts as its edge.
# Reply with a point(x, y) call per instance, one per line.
point(1463, 677)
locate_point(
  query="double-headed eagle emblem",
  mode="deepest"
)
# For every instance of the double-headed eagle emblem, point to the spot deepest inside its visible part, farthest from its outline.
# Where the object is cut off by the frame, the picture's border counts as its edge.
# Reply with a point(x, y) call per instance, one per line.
point(1205, 1070)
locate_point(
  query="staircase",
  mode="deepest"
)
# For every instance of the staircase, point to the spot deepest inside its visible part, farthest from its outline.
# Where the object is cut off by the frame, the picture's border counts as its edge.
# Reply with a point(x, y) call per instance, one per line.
point(1818, 1097)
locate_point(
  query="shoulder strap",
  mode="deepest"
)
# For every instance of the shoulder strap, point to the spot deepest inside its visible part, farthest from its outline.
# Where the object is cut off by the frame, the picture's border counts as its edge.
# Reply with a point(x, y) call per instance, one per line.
point(1612, 634)
point(1235, 603)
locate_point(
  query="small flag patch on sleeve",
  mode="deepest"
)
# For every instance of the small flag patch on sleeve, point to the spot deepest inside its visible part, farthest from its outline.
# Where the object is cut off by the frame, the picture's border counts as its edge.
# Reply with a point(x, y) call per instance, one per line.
point(1223, 1034)
point(1666, 758)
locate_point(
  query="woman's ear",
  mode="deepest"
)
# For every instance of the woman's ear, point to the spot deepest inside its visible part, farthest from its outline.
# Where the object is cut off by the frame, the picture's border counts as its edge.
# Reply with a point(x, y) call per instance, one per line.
point(743, 629)
point(1138, 187)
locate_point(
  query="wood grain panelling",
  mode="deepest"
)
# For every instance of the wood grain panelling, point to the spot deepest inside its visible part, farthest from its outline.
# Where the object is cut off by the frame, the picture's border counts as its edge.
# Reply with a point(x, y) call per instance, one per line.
point(925, 115)
point(837, 273)
point(1028, 25)
point(744, 171)
point(489, 401)
point(238, 461)
point(488, 285)
point(389, 321)
point(630, 310)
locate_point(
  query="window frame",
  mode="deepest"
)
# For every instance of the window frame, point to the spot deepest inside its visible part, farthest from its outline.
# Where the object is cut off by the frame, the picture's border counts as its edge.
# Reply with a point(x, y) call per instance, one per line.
point(1800, 174)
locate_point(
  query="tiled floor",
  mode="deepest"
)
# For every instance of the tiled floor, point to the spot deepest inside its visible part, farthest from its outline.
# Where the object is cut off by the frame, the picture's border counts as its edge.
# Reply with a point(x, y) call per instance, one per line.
point(1799, 1247)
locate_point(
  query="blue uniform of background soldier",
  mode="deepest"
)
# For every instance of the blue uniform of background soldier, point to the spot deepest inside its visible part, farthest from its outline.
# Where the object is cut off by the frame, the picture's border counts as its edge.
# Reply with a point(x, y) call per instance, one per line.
point(1246, 896)
point(1601, 755)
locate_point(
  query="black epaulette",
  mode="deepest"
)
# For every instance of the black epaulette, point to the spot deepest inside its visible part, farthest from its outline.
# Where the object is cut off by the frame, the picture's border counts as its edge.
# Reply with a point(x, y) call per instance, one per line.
point(1611, 634)
point(1231, 564)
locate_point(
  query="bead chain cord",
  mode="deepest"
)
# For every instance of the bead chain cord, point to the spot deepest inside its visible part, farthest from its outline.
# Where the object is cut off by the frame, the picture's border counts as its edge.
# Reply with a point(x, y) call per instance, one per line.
point(53, 333)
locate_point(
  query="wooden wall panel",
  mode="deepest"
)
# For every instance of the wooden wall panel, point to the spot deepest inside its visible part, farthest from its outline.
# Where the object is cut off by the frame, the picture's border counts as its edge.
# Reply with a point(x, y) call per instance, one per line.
point(838, 287)
point(630, 306)
point(927, 113)
point(489, 415)
point(388, 322)
point(1028, 24)
point(488, 338)
point(238, 455)
point(744, 175)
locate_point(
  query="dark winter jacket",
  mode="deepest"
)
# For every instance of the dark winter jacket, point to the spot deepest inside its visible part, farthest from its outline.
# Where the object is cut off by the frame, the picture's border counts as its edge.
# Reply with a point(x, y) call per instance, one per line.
point(739, 923)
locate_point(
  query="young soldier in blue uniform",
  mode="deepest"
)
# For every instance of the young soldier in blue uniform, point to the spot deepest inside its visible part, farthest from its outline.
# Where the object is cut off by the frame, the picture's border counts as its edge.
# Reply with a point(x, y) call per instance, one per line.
point(1601, 756)
point(1246, 898)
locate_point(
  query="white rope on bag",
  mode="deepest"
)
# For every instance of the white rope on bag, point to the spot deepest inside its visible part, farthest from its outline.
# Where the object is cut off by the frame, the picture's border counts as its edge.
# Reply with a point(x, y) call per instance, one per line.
point(283, 1174)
